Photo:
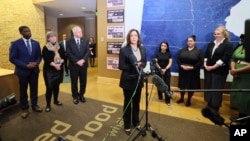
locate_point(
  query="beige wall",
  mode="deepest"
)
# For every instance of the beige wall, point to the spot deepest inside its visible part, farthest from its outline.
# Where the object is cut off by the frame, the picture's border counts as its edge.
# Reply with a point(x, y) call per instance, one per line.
point(50, 24)
point(104, 74)
point(13, 14)
point(90, 28)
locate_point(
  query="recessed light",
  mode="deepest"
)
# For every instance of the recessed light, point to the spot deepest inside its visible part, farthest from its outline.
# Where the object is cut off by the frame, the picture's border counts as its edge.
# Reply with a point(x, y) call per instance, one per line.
point(61, 14)
point(83, 7)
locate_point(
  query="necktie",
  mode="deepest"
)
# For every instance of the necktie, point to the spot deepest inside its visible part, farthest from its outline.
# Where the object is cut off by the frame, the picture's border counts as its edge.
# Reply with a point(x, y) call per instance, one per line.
point(29, 47)
point(64, 44)
point(78, 44)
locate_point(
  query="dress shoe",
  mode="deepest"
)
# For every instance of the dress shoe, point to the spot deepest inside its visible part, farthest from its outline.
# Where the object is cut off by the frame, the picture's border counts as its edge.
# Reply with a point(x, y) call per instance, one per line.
point(188, 103)
point(127, 131)
point(138, 127)
point(82, 99)
point(180, 101)
point(75, 101)
point(58, 103)
point(25, 114)
point(37, 108)
point(47, 109)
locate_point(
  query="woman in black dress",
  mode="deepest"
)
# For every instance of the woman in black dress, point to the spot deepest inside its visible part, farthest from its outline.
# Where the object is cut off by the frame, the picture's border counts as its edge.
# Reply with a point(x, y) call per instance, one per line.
point(190, 60)
point(52, 69)
point(92, 51)
point(163, 60)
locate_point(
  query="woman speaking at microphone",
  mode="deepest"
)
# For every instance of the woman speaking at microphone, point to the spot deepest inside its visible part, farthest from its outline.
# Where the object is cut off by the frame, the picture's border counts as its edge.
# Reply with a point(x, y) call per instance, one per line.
point(129, 78)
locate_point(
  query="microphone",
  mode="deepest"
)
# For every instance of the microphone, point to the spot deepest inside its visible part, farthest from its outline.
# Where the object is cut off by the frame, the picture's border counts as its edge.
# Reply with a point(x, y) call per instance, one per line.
point(213, 116)
point(155, 67)
point(152, 68)
point(161, 85)
point(133, 60)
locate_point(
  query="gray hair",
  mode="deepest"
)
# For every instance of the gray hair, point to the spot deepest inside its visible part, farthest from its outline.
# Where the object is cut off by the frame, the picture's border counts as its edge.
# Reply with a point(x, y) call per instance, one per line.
point(50, 34)
point(74, 29)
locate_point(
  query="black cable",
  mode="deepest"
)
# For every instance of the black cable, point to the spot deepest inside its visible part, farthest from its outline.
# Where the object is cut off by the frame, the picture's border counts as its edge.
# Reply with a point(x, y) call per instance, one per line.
point(117, 123)
point(212, 90)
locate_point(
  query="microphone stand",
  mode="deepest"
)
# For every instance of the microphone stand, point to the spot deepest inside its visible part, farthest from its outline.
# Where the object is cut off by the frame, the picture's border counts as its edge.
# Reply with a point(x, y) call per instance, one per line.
point(147, 126)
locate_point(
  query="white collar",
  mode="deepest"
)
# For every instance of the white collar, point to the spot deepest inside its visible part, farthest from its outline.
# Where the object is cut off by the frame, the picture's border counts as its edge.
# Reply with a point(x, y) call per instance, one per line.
point(25, 40)
point(215, 42)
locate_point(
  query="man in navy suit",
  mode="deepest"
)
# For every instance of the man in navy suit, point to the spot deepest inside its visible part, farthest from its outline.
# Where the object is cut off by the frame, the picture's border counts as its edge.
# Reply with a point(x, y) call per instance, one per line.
point(77, 50)
point(25, 54)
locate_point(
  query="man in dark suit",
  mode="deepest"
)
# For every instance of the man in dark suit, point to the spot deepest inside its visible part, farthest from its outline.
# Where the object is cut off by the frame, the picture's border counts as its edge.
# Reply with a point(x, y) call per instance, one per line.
point(63, 45)
point(78, 52)
point(25, 54)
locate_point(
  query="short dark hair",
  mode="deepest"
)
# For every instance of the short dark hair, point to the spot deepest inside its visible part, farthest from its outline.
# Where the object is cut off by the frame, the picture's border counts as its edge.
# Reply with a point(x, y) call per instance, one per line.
point(21, 28)
point(192, 37)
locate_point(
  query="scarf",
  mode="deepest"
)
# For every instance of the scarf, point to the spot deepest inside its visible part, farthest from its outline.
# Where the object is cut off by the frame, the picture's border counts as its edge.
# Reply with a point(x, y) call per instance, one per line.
point(54, 48)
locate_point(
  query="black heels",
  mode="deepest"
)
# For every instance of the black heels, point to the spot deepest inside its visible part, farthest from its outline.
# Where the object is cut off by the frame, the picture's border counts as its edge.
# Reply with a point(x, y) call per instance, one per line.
point(47, 109)
point(180, 101)
point(127, 131)
point(58, 103)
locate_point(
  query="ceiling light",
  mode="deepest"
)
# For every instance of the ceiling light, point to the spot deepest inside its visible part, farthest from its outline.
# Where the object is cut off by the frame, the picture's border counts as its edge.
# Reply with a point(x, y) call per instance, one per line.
point(83, 7)
point(61, 14)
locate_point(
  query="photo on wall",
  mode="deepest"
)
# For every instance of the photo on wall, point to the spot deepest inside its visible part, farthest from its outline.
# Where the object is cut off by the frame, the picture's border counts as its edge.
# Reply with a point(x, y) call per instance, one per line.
point(112, 63)
point(115, 16)
point(115, 32)
point(114, 47)
point(115, 3)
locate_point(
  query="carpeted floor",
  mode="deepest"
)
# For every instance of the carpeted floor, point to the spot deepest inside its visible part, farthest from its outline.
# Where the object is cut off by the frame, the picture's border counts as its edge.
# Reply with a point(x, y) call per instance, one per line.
point(98, 121)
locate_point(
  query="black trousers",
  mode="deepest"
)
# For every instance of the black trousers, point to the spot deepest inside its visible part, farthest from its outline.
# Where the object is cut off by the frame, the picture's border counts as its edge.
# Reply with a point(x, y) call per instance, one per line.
point(32, 80)
point(214, 81)
point(131, 107)
point(66, 69)
point(78, 73)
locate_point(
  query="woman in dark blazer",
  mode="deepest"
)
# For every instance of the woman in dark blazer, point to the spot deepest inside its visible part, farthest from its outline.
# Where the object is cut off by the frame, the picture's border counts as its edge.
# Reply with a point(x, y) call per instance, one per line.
point(216, 66)
point(52, 69)
point(132, 59)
